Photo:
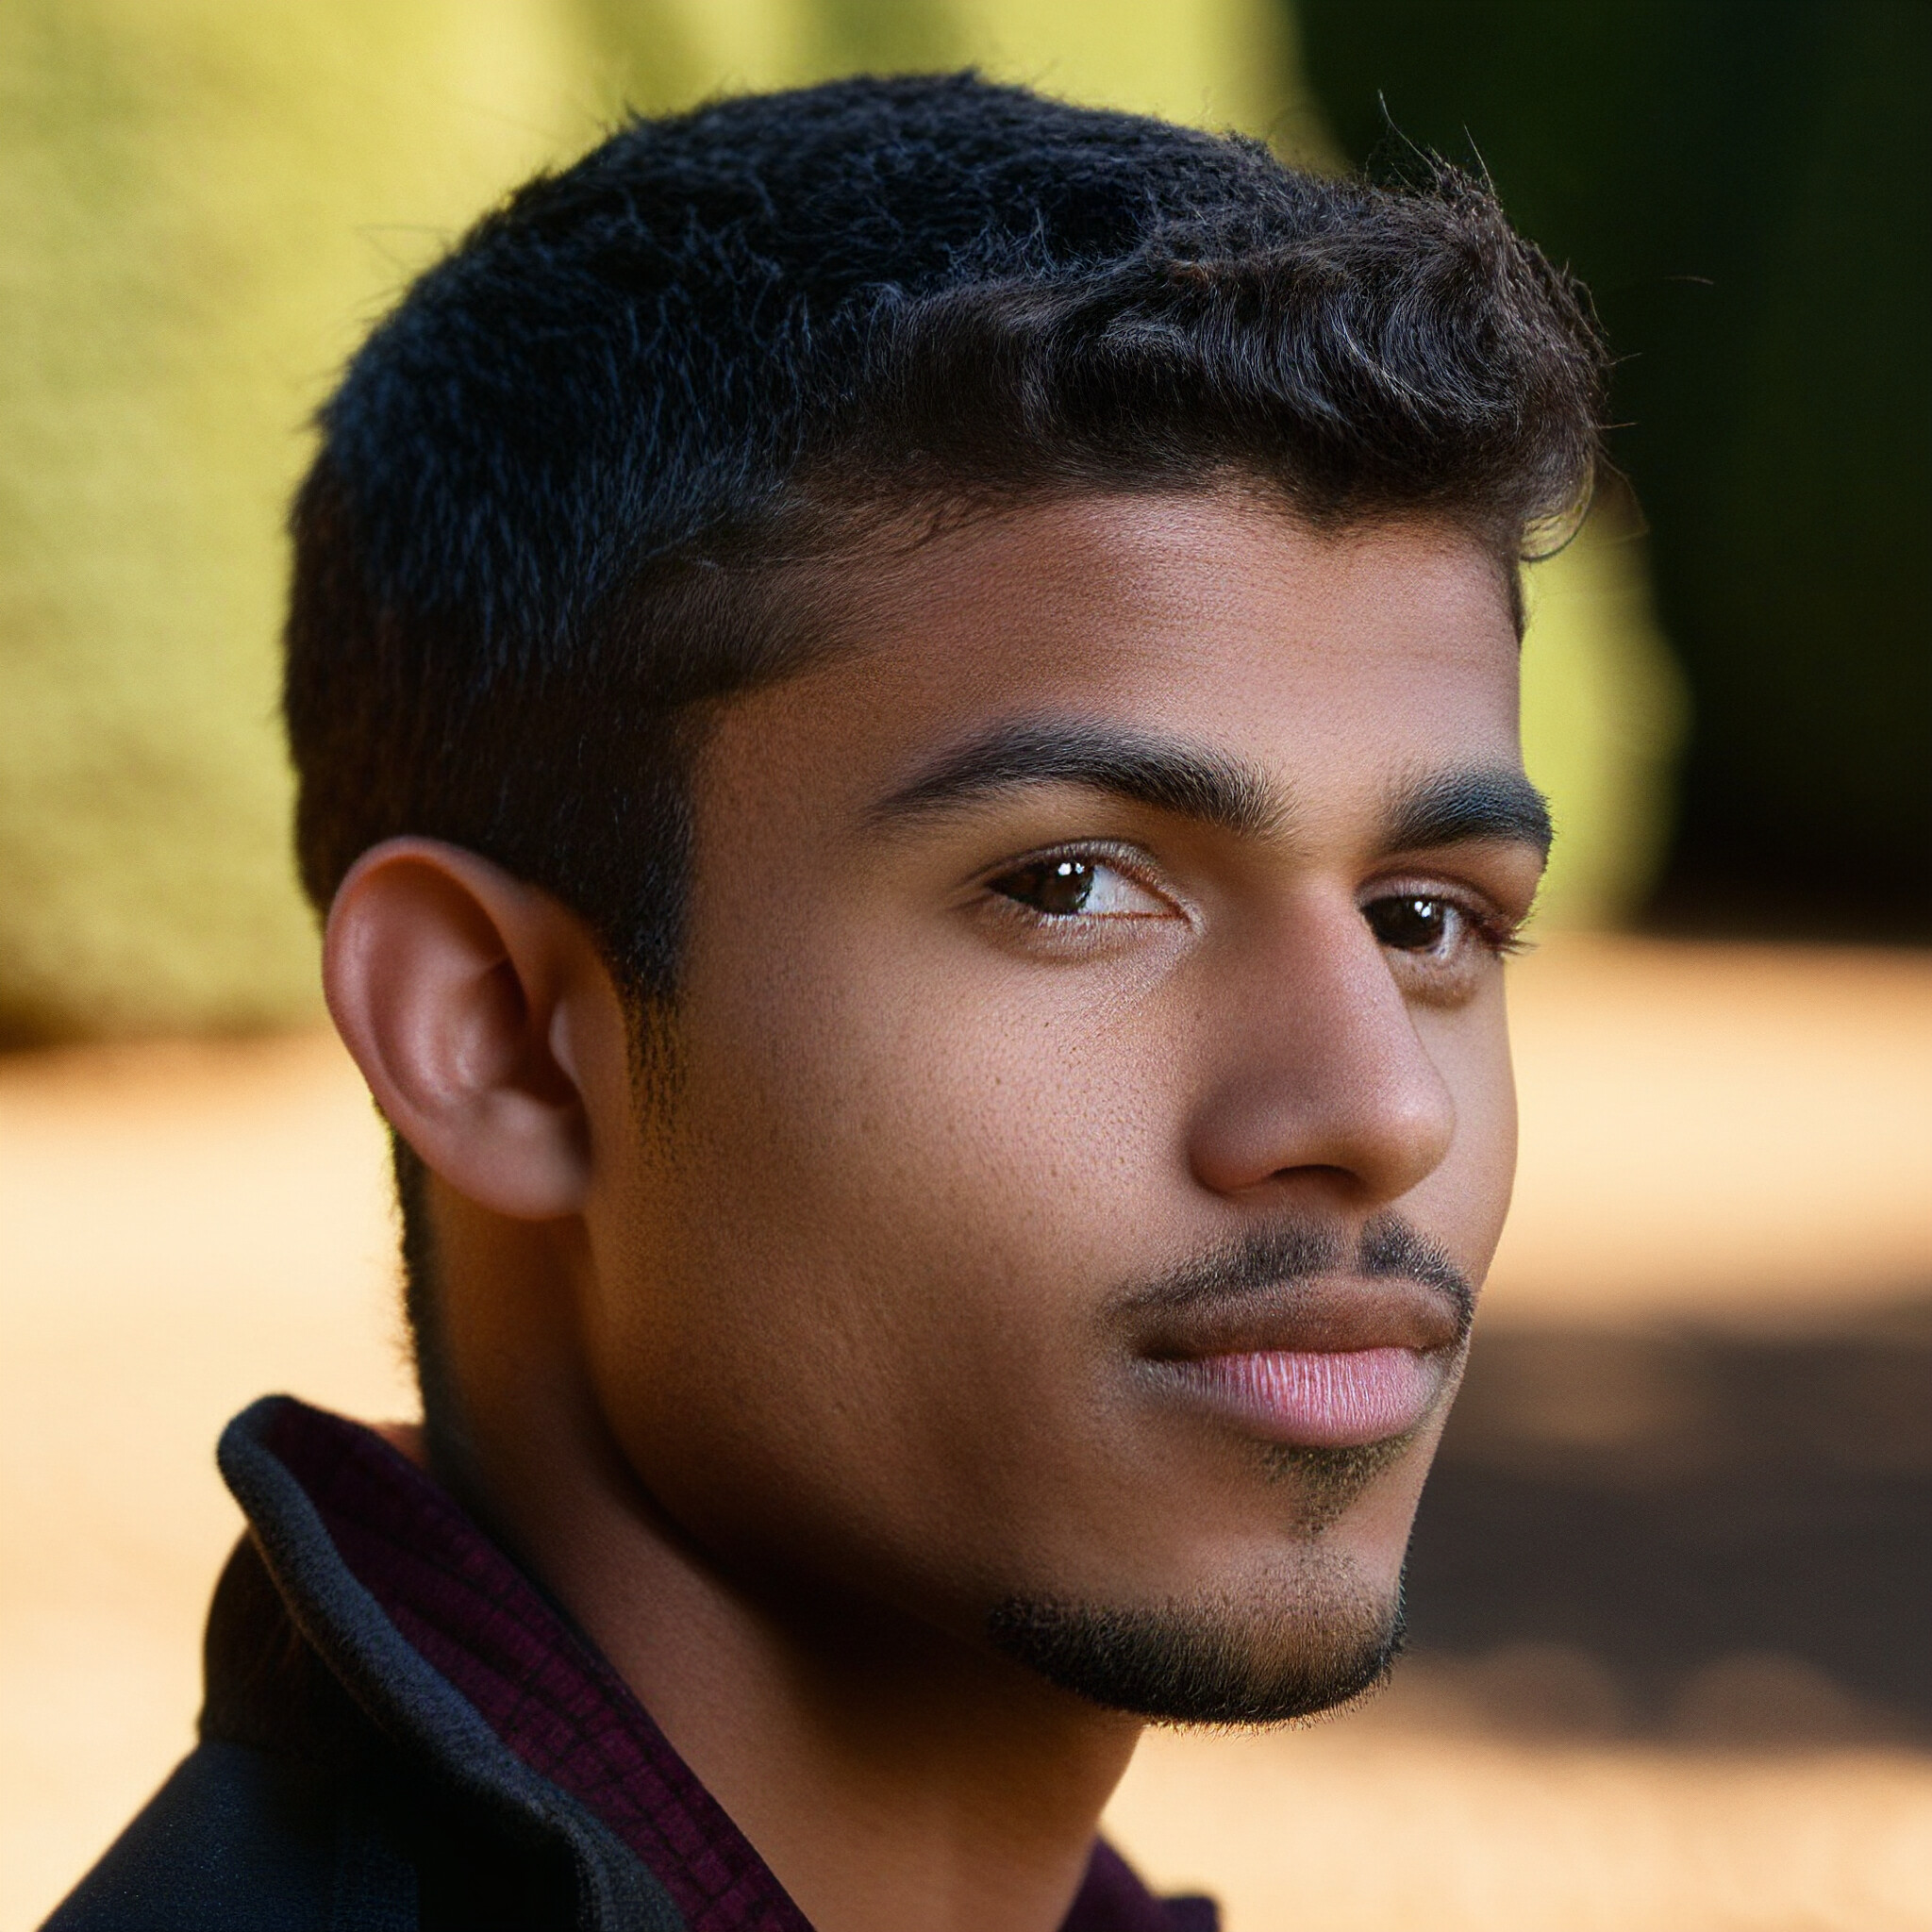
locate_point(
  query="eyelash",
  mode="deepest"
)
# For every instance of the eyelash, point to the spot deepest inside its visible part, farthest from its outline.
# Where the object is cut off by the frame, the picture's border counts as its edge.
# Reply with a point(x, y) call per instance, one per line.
point(1499, 934)
point(1497, 931)
point(1131, 866)
point(1502, 936)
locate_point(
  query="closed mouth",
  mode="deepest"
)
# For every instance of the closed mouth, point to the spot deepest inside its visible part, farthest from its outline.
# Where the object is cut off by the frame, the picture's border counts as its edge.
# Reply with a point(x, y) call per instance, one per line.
point(1315, 1398)
point(1336, 1362)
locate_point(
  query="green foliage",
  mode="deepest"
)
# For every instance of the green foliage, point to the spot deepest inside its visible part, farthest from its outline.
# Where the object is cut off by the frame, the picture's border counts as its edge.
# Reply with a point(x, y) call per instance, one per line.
point(202, 206)
point(185, 195)
point(1748, 189)
point(1603, 713)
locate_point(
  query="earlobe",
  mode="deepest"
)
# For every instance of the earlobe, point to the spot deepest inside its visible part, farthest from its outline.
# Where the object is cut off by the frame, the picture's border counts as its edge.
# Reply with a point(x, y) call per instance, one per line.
point(445, 977)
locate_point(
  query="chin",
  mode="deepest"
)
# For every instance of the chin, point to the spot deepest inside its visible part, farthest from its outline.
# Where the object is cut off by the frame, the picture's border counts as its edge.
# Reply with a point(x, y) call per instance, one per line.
point(1304, 1638)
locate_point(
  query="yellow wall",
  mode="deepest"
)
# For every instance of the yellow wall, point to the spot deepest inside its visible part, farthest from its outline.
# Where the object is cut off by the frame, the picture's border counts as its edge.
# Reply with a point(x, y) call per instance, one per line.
point(203, 205)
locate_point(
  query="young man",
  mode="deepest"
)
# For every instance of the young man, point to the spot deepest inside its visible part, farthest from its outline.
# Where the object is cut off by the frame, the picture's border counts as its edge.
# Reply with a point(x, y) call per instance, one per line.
point(906, 702)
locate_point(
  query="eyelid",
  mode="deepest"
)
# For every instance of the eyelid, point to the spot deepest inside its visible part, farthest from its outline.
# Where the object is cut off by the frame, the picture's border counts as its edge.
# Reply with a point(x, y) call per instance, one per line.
point(1463, 869)
point(1425, 883)
point(1132, 861)
point(1494, 925)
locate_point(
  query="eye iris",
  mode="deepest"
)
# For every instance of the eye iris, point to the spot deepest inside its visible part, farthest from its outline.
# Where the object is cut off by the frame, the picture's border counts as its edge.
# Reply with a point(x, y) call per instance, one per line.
point(1409, 924)
point(1059, 886)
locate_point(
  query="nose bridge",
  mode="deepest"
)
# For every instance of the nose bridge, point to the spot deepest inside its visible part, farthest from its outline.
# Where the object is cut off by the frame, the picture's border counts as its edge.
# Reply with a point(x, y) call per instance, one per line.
point(1315, 1063)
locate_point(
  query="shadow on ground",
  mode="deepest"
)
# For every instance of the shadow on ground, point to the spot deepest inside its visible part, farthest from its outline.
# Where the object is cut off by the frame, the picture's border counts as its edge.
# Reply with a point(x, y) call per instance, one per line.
point(1707, 1538)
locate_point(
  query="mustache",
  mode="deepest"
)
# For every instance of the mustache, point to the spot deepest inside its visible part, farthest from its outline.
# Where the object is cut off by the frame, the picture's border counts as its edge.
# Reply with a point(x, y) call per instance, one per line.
point(1262, 1262)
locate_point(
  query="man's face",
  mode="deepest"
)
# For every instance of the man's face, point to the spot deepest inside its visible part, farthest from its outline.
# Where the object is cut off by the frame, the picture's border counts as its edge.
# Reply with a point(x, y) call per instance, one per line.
point(1091, 1098)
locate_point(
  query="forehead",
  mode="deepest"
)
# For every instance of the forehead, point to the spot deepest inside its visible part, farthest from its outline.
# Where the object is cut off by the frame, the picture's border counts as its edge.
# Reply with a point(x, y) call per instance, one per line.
point(1328, 659)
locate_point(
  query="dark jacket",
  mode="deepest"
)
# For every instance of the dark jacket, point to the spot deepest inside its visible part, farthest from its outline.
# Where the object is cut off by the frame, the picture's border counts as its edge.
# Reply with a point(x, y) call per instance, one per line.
point(401, 1732)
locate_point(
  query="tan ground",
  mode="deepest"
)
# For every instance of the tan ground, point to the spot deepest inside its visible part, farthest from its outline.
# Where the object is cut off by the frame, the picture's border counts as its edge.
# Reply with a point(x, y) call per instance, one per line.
point(1738, 1136)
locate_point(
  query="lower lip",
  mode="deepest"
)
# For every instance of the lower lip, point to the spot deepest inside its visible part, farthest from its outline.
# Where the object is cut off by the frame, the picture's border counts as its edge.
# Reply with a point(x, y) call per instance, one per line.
point(1319, 1399)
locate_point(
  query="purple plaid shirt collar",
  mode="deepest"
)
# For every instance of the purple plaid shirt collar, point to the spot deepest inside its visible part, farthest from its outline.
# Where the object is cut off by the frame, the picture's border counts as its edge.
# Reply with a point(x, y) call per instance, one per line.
point(555, 1702)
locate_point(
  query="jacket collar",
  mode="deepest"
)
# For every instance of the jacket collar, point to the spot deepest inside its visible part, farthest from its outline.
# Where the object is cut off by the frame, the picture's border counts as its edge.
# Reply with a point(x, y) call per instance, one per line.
point(456, 1655)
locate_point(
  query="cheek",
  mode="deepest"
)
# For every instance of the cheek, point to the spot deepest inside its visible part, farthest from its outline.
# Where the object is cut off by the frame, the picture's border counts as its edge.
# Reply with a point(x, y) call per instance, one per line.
point(1465, 1202)
point(857, 1317)
point(918, 1109)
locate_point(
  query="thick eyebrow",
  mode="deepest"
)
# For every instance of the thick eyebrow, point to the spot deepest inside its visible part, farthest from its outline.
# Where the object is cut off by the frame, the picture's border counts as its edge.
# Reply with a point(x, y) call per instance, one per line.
point(1454, 805)
point(1163, 773)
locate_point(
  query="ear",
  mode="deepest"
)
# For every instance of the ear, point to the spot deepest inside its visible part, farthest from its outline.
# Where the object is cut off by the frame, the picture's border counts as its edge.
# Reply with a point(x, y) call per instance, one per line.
point(469, 1000)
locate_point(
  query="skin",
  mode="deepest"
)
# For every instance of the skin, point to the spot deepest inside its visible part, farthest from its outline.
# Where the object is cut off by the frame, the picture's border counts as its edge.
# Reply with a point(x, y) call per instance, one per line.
point(783, 1376)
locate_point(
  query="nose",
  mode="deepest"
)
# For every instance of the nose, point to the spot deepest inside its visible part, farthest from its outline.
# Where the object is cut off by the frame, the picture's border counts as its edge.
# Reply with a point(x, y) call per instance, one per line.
point(1315, 1072)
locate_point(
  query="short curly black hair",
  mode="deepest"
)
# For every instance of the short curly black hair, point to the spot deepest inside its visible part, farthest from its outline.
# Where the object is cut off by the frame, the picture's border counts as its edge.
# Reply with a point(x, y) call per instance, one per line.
point(556, 488)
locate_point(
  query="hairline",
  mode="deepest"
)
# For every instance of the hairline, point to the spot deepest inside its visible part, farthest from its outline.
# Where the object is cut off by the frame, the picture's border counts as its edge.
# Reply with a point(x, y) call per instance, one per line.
point(818, 530)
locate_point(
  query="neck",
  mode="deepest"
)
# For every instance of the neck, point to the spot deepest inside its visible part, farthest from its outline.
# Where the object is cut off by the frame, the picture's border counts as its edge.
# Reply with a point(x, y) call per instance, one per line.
point(889, 1773)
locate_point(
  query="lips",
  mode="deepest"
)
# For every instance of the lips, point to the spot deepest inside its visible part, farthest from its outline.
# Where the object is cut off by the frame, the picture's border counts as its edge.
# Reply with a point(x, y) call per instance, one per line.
point(1333, 1362)
point(1316, 1398)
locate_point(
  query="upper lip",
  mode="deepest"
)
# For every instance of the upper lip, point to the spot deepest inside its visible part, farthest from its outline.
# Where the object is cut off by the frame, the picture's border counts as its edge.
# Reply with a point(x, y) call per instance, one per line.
point(1327, 1313)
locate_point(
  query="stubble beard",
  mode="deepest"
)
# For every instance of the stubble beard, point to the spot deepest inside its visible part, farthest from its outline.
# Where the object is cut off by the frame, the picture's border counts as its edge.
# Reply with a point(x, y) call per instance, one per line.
point(1305, 1639)
point(1309, 1636)
point(1310, 1632)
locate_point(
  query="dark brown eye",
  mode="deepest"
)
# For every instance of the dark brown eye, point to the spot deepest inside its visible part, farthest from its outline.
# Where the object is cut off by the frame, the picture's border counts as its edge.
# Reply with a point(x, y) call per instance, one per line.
point(1412, 923)
point(1057, 887)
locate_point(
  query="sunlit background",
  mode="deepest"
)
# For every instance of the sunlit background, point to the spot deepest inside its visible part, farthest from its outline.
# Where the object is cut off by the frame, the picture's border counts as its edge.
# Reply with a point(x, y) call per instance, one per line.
point(1672, 1582)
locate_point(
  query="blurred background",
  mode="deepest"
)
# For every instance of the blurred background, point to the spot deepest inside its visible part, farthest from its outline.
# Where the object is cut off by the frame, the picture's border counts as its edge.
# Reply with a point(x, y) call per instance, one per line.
point(1671, 1583)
